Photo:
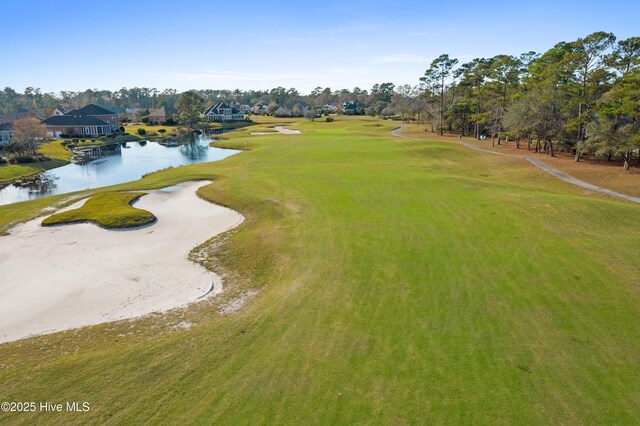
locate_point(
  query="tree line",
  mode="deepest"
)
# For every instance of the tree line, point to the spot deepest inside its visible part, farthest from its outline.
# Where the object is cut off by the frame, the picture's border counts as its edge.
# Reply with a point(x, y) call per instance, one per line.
point(582, 96)
point(35, 101)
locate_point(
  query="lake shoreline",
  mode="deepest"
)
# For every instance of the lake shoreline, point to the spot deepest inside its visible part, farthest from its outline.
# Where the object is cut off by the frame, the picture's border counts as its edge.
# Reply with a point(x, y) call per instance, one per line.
point(112, 166)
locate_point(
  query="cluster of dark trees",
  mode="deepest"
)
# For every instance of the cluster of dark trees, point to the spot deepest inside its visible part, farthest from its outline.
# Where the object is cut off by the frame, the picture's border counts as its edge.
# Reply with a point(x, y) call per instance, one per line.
point(34, 100)
point(371, 101)
point(582, 96)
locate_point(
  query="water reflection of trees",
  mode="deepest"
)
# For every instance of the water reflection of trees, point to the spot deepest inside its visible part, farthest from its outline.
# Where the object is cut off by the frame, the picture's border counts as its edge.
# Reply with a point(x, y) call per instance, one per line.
point(210, 132)
point(194, 151)
point(88, 155)
point(40, 183)
point(195, 146)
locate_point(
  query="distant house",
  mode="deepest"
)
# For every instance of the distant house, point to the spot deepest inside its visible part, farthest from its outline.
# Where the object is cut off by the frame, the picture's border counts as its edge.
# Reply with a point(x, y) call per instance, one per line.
point(129, 114)
point(86, 125)
point(349, 107)
point(97, 112)
point(58, 111)
point(6, 133)
point(245, 109)
point(331, 107)
point(259, 109)
point(158, 116)
point(223, 112)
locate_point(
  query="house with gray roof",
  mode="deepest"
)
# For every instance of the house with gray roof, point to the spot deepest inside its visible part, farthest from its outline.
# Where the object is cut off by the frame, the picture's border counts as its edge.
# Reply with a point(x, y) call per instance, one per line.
point(349, 107)
point(96, 111)
point(76, 125)
point(223, 112)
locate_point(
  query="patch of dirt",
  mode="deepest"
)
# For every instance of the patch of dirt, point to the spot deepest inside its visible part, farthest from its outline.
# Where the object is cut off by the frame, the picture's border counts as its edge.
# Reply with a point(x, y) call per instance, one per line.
point(234, 305)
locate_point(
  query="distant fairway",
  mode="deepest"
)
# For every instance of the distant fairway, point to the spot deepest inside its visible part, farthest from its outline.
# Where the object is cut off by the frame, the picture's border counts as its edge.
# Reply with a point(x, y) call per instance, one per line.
point(383, 281)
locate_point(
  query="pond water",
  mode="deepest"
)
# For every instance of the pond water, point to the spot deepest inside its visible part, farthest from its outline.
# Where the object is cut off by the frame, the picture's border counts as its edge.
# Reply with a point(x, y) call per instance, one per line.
point(125, 164)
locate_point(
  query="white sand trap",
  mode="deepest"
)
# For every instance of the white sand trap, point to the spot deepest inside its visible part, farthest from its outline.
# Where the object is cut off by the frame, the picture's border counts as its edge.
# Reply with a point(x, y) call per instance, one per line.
point(68, 276)
point(279, 129)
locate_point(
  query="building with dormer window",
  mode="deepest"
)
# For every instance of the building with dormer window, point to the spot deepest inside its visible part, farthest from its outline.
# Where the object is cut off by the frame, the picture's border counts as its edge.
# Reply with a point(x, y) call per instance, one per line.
point(223, 112)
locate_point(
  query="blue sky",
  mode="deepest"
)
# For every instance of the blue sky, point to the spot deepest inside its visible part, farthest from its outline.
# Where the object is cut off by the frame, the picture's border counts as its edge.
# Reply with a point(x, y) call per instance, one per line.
point(75, 45)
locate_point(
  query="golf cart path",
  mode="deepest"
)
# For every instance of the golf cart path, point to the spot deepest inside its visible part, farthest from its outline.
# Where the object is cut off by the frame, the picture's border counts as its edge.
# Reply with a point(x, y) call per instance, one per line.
point(539, 164)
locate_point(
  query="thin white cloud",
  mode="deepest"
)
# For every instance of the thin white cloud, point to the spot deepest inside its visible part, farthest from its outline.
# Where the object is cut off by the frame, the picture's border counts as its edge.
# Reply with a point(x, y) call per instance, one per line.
point(231, 76)
point(229, 79)
point(214, 76)
point(407, 58)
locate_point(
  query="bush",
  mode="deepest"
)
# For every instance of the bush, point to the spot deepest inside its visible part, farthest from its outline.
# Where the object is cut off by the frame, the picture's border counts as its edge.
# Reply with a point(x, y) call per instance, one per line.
point(145, 119)
point(121, 129)
point(142, 132)
point(75, 140)
point(162, 130)
point(21, 159)
point(170, 122)
point(328, 119)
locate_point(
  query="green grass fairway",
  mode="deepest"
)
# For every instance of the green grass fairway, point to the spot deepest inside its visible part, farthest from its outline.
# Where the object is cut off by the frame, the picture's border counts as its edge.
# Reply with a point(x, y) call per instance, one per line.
point(9, 172)
point(398, 282)
point(132, 129)
point(53, 150)
point(110, 210)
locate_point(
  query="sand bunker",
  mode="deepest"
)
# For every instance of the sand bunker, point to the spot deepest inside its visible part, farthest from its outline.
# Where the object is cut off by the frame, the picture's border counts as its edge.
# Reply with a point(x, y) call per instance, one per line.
point(279, 129)
point(62, 277)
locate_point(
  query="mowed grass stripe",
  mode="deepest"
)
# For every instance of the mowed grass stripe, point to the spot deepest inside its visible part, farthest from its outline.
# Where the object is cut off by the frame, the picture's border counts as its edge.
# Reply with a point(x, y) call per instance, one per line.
point(402, 282)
